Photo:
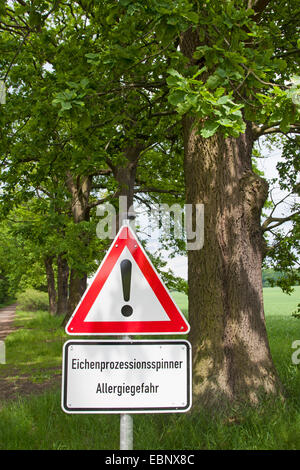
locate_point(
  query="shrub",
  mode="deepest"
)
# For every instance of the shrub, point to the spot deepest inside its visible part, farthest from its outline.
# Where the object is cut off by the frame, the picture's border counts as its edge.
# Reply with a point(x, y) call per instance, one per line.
point(32, 299)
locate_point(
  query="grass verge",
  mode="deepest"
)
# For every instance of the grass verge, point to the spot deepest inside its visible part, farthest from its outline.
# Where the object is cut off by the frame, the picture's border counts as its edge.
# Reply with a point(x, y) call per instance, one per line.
point(37, 421)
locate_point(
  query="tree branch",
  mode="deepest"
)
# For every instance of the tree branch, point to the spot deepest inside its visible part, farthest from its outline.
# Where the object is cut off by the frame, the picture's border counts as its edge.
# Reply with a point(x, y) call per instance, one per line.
point(124, 86)
point(163, 113)
point(273, 247)
point(280, 220)
point(110, 164)
point(157, 190)
point(147, 204)
point(101, 172)
point(267, 129)
point(101, 201)
point(15, 56)
point(287, 53)
point(39, 188)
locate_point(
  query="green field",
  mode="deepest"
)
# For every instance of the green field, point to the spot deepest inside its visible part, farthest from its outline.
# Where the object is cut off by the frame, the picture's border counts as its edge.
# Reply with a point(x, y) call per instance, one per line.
point(37, 422)
point(275, 302)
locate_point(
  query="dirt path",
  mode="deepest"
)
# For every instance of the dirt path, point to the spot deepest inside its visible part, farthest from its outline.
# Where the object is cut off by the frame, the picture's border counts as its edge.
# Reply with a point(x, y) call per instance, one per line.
point(7, 315)
point(10, 387)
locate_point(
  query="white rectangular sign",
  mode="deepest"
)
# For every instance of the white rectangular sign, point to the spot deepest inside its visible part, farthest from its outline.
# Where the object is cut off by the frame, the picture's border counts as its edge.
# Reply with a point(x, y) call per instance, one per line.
point(126, 376)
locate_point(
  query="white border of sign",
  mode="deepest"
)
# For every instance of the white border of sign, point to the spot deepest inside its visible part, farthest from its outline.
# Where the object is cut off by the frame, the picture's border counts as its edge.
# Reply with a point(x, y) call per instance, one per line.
point(145, 409)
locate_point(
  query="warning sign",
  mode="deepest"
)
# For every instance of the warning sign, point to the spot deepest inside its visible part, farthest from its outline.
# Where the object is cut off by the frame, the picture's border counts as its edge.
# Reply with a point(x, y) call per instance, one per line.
point(126, 376)
point(127, 296)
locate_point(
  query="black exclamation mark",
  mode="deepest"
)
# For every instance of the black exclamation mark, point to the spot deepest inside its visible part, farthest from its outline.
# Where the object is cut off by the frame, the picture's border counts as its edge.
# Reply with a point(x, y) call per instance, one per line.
point(126, 266)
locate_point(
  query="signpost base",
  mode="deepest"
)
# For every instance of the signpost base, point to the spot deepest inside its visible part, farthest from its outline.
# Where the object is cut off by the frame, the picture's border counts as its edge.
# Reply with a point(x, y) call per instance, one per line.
point(2, 352)
point(126, 432)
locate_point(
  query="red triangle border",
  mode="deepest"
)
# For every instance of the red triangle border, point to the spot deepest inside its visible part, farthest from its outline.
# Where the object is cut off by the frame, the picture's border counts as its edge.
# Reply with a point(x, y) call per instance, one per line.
point(177, 323)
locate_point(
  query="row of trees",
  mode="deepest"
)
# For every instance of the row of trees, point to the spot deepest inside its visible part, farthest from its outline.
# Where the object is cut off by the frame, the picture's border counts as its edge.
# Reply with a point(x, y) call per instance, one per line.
point(159, 102)
point(69, 149)
point(271, 278)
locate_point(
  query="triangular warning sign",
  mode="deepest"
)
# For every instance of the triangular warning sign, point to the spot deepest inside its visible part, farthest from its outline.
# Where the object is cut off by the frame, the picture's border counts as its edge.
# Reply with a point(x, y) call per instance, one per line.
point(126, 296)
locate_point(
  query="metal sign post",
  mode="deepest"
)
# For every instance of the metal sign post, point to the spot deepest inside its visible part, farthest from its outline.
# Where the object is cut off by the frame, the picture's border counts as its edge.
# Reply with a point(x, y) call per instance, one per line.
point(126, 427)
point(2, 92)
point(126, 420)
point(126, 432)
point(2, 352)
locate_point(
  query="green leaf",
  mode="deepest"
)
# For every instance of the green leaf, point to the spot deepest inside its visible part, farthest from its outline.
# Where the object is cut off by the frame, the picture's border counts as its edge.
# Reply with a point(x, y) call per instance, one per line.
point(221, 72)
point(209, 129)
point(192, 16)
point(199, 72)
point(65, 105)
point(213, 81)
point(223, 100)
point(176, 97)
point(225, 122)
point(174, 73)
point(285, 125)
point(201, 51)
point(84, 82)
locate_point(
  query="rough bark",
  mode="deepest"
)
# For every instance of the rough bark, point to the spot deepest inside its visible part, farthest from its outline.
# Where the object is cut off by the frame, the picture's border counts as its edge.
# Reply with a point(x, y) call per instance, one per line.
point(62, 285)
point(52, 294)
point(77, 286)
point(231, 355)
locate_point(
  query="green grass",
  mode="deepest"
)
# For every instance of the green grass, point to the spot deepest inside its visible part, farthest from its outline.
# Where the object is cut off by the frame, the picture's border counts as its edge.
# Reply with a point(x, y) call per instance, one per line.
point(275, 302)
point(38, 422)
point(35, 347)
point(181, 301)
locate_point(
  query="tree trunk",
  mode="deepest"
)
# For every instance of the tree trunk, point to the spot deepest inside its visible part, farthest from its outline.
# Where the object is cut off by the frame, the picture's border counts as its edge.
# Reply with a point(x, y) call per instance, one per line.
point(77, 286)
point(126, 176)
point(231, 355)
point(62, 285)
point(51, 284)
point(80, 190)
